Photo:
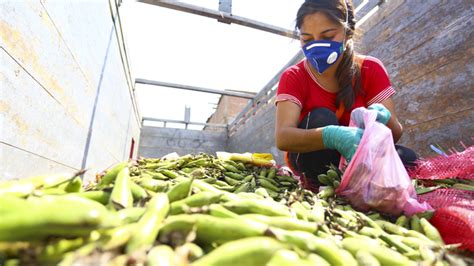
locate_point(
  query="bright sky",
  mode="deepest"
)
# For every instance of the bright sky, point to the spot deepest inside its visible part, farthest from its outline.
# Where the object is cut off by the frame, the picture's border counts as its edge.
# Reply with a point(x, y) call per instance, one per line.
point(178, 47)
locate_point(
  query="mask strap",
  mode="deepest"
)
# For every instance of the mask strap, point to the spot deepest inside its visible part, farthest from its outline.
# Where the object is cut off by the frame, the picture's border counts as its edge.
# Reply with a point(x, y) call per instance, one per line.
point(346, 24)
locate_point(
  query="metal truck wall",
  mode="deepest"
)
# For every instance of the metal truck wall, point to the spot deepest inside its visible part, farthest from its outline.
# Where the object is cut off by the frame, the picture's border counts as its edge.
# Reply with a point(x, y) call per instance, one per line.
point(65, 94)
point(157, 141)
point(427, 49)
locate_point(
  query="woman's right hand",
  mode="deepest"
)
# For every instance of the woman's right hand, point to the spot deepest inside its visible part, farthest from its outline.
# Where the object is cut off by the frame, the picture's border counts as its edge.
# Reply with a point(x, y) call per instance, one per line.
point(343, 139)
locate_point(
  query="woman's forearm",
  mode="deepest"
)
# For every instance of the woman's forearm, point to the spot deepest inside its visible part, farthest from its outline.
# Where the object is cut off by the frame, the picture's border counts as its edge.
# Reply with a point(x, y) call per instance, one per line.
point(396, 127)
point(299, 140)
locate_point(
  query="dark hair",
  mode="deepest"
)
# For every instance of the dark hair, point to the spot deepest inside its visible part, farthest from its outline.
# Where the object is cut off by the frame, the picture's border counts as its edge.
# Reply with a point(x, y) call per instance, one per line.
point(348, 70)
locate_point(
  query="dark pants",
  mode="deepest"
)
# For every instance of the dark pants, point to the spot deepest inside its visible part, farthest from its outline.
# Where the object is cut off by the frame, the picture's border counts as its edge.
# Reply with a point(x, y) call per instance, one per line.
point(311, 164)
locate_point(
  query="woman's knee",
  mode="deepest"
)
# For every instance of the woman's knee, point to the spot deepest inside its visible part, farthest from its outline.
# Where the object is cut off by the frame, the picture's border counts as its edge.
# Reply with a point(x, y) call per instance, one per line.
point(319, 117)
point(407, 155)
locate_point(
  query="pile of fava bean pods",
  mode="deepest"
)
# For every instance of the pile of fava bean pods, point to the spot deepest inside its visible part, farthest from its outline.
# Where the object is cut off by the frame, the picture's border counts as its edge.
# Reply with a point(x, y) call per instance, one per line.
point(201, 210)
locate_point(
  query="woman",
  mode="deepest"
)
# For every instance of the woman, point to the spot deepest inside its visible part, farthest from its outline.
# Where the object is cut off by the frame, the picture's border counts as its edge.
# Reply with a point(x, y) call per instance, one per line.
point(316, 96)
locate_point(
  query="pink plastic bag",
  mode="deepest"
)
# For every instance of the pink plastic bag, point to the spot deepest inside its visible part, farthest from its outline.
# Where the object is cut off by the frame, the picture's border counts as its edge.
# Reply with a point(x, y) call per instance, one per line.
point(376, 179)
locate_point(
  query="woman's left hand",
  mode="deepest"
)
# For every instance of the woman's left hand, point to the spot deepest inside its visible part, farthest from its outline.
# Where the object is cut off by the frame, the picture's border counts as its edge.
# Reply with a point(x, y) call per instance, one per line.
point(383, 114)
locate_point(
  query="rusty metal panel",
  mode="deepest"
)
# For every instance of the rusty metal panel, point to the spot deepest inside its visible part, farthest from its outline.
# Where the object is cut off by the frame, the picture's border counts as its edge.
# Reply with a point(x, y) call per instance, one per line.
point(29, 35)
point(33, 120)
point(59, 61)
point(18, 163)
point(84, 26)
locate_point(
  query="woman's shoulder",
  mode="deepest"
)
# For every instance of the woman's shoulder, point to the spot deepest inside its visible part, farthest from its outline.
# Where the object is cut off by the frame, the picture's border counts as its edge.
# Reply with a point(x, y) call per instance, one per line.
point(296, 69)
point(367, 61)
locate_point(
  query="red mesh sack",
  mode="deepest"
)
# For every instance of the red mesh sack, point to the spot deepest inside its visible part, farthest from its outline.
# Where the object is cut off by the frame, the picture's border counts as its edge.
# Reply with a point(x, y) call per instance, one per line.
point(449, 197)
point(459, 165)
point(454, 215)
point(456, 225)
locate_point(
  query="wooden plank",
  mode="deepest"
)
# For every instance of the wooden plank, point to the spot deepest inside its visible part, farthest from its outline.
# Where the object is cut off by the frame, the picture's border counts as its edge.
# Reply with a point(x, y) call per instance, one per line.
point(446, 131)
point(18, 163)
point(419, 30)
point(384, 12)
point(448, 90)
point(33, 120)
point(364, 10)
point(400, 18)
point(448, 44)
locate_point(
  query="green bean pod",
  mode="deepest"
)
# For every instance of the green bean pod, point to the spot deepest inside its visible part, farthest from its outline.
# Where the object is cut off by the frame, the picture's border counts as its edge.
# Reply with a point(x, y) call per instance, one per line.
point(264, 207)
point(364, 258)
point(242, 188)
point(251, 251)
point(154, 185)
point(121, 196)
point(431, 232)
point(130, 215)
point(415, 224)
point(384, 255)
point(54, 252)
point(285, 257)
point(110, 175)
point(234, 175)
point(271, 173)
point(196, 200)
point(210, 229)
point(284, 222)
point(146, 231)
point(307, 241)
point(38, 218)
point(161, 255)
point(117, 237)
point(267, 184)
point(138, 192)
point(180, 191)
point(231, 181)
point(74, 185)
point(169, 173)
point(317, 260)
point(95, 195)
point(402, 221)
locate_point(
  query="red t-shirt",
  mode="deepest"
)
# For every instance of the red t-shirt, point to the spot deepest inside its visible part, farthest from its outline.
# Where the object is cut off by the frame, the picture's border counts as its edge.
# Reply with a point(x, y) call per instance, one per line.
point(298, 85)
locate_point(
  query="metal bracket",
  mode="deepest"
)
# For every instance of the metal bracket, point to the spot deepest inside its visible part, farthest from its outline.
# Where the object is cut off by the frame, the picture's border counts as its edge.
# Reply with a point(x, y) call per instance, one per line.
point(225, 6)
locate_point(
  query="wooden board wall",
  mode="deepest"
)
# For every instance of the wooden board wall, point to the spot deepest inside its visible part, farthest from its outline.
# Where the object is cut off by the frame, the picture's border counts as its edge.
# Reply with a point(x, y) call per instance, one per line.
point(427, 49)
point(65, 95)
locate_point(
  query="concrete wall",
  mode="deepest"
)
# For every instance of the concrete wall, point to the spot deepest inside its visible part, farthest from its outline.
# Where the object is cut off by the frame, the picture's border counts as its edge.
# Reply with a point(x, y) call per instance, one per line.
point(66, 99)
point(257, 134)
point(227, 109)
point(427, 49)
point(157, 141)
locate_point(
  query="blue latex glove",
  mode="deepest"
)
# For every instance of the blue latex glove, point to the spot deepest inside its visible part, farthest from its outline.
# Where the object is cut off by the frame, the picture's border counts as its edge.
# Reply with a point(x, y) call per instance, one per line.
point(383, 114)
point(343, 139)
